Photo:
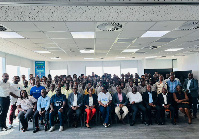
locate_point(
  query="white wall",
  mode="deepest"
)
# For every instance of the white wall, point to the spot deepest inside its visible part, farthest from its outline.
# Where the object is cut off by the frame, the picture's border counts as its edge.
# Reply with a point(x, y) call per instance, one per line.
point(190, 62)
point(157, 63)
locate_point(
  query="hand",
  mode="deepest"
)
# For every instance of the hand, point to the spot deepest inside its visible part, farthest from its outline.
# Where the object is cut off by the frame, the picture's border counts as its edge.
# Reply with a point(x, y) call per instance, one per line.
point(51, 110)
point(187, 91)
point(165, 106)
point(133, 102)
point(88, 107)
point(150, 104)
point(179, 101)
point(61, 110)
point(176, 100)
point(105, 106)
point(40, 112)
point(153, 105)
point(43, 111)
point(91, 107)
point(73, 108)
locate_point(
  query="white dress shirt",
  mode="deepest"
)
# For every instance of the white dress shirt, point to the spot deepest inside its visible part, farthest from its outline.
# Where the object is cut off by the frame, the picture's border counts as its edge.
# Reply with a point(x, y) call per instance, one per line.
point(188, 85)
point(75, 100)
point(91, 101)
point(4, 89)
point(165, 98)
point(15, 89)
point(137, 97)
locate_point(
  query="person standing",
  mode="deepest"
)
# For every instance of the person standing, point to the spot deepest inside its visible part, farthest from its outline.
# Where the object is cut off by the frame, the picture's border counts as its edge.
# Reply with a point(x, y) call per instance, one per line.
point(15, 89)
point(5, 92)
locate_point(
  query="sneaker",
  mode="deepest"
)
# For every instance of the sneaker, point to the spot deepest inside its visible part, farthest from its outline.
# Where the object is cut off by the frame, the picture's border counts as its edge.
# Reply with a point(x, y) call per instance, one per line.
point(61, 128)
point(105, 125)
point(45, 127)
point(10, 126)
point(52, 128)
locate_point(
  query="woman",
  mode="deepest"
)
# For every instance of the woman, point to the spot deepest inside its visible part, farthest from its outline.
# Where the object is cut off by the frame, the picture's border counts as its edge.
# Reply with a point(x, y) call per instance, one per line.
point(182, 101)
point(90, 101)
point(160, 84)
point(26, 106)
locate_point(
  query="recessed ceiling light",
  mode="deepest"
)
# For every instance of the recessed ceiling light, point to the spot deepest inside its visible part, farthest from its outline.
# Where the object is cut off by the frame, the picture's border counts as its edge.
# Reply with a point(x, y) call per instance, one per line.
point(10, 35)
point(82, 34)
point(55, 58)
point(120, 57)
point(88, 58)
point(130, 50)
point(154, 34)
point(43, 52)
point(151, 57)
point(174, 49)
point(87, 51)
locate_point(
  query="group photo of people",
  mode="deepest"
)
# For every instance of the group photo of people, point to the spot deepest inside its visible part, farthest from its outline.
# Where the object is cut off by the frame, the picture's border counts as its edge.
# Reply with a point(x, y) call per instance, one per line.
point(72, 100)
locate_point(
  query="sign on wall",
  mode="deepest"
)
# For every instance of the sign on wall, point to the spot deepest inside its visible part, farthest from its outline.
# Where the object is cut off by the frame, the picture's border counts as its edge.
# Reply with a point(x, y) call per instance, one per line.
point(40, 68)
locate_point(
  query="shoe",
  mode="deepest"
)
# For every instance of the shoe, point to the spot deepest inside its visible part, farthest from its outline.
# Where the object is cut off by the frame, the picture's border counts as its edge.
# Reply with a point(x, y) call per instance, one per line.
point(123, 122)
point(87, 125)
point(131, 124)
point(108, 125)
point(10, 126)
point(61, 128)
point(147, 124)
point(45, 127)
point(52, 128)
point(174, 123)
point(105, 125)
point(75, 125)
point(36, 130)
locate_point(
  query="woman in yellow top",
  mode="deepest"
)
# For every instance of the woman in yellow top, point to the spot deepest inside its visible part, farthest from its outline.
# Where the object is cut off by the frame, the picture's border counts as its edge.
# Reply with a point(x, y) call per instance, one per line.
point(52, 91)
point(88, 87)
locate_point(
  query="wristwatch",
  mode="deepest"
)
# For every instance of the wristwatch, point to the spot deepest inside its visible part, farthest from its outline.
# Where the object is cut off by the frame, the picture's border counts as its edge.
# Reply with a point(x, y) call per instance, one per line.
point(61, 107)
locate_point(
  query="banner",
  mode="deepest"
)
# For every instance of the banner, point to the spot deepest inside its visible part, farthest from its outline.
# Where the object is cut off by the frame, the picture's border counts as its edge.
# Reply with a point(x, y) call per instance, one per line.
point(40, 68)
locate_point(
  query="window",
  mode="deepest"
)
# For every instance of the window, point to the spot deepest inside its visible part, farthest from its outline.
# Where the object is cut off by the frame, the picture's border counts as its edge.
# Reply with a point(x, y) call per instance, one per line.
point(96, 70)
point(112, 70)
point(1, 68)
point(57, 72)
point(12, 71)
point(130, 70)
point(24, 71)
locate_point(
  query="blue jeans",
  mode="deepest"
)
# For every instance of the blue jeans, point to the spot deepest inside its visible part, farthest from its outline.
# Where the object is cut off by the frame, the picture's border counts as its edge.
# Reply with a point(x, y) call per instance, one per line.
point(60, 116)
point(105, 113)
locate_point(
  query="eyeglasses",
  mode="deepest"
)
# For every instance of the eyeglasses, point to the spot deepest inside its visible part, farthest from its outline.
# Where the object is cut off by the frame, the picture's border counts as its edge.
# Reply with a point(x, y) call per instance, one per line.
point(74, 88)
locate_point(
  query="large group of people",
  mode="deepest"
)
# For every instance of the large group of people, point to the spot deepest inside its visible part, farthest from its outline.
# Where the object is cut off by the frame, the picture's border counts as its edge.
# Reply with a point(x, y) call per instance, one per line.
point(68, 97)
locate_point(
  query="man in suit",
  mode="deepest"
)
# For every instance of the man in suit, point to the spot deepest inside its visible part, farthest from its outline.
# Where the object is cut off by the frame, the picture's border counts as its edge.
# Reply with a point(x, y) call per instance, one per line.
point(150, 102)
point(75, 103)
point(120, 101)
point(191, 87)
point(165, 102)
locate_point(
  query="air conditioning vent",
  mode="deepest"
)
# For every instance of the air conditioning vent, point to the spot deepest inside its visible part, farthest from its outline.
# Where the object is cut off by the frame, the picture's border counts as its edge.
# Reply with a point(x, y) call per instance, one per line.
point(190, 25)
point(2, 28)
point(112, 26)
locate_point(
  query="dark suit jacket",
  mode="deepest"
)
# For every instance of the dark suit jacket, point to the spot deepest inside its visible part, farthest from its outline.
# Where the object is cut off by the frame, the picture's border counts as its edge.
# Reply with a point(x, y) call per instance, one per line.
point(161, 99)
point(193, 87)
point(71, 99)
point(145, 98)
point(86, 99)
point(116, 101)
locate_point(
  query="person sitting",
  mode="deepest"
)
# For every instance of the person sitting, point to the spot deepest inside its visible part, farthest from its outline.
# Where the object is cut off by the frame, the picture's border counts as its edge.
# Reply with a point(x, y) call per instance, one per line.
point(43, 105)
point(75, 102)
point(36, 90)
point(65, 90)
point(89, 85)
point(26, 106)
point(57, 105)
point(135, 99)
point(165, 102)
point(51, 91)
point(90, 102)
point(150, 102)
point(142, 87)
point(120, 101)
point(104, 100)
point(182, 101)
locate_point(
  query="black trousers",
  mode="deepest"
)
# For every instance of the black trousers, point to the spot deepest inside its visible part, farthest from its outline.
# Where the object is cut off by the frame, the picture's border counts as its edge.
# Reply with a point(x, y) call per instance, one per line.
point(4, 106)
point(161, 113)
point(37, 115)
point(149, 116)
point(138, 106)
point(78, 114)
point(193, 103)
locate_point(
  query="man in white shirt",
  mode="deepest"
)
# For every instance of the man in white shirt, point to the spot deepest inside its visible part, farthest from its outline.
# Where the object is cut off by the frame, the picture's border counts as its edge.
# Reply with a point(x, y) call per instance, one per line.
point(104, 100)
point(5, 92)
point(15, 89)
point(135, 99)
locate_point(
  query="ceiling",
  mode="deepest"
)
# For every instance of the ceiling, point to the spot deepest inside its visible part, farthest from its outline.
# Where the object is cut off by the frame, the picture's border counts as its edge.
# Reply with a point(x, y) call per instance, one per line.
point(50, 31)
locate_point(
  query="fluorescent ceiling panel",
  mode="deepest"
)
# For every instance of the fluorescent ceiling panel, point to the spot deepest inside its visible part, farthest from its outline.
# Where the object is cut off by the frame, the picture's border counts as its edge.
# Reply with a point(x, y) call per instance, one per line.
point(154, 34)
point(82, 34)
point(130, 50)
point(10, 35)
point(88, 58)
point(87, 51)
point(151, 57)
point(43, 52)
point(165, 39)
point(124, 40)
point(174, 49)
point(120, 57)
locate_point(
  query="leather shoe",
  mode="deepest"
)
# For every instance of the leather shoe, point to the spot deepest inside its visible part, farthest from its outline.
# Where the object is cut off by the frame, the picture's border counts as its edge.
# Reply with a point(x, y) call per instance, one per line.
point(36, 130)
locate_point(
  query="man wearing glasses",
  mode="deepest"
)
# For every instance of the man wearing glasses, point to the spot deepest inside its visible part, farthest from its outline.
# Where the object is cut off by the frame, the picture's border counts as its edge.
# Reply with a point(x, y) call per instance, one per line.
point(75, 102)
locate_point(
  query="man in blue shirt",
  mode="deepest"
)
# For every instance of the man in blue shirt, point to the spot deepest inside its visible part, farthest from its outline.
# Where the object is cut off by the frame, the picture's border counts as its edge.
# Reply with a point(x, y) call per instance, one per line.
point(36, 90)
point(43, 104)
point(172, 84)
point(57, 105)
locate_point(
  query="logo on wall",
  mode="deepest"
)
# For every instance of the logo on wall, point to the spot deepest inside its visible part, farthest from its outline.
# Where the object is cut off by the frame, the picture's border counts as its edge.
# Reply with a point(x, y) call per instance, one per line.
point(40, 68)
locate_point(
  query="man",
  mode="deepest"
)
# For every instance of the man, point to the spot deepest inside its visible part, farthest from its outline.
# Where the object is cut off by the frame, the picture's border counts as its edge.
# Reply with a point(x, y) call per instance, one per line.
point(104, 100)
point(5, 92)
point(23, 80)
point(142, 87)
point(150, 102)
point(75, 103)
point(172, 84)
point(66, 91)
point(135, 99)
point(131, 85)
point(52, 91)
point(36, 90)
point(98, 88)
point(165, 102)
point(120, 101)
point(26, 87)
point(123, 88)
point(191, 87)
point(57, 105)
point(15, 89)
point(43, 104)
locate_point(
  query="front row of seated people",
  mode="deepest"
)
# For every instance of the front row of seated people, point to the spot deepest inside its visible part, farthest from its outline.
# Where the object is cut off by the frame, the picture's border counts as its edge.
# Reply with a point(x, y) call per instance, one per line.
point(57, 105)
